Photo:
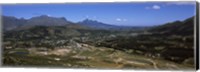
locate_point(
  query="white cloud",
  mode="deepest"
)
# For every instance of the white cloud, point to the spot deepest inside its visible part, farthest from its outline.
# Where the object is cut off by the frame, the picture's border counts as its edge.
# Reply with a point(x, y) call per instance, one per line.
point(120, 19)
point(87, 16)
point(48, 15)
point(154, 7)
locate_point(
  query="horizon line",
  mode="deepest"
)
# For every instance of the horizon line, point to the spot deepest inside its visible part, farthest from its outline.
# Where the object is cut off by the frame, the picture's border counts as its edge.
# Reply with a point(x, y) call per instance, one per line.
point(92, 20)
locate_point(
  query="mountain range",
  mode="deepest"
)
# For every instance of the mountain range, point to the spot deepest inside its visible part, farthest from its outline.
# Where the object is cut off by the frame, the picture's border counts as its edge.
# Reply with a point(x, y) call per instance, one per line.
point(177, 27)
point(172, 41)
point(10, 22)
point(185, 27)
point(96, 24)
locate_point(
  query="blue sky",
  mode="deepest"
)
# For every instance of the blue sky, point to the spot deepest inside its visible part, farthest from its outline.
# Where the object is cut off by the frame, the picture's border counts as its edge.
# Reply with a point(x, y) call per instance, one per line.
point(127, 14)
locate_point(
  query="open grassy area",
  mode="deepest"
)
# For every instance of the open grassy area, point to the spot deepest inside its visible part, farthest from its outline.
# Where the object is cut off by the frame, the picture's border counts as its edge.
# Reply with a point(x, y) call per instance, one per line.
point(94, 57)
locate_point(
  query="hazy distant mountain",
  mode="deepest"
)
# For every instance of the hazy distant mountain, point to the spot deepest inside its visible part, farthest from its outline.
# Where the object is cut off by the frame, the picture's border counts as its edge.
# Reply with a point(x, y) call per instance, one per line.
point(45, 20)
point(100, 25)
point(10, 22)
point(96, 24)
point(185, 27)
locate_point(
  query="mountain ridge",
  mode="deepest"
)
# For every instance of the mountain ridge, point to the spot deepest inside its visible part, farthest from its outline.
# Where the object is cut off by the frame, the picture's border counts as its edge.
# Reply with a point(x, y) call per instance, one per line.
point(96, 24)
point(11, 22)
point(45, 20)
point(185, 27)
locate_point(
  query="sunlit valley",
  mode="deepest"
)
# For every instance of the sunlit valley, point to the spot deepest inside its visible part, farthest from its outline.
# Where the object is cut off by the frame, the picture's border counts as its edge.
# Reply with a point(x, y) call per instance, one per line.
point(114, 35)
point(56, 42)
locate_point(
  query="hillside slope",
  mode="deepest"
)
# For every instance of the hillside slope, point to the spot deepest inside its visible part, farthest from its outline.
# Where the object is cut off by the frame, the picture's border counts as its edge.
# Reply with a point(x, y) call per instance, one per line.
point(173, 41)
point(185, 27)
